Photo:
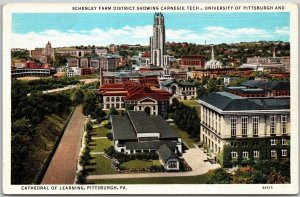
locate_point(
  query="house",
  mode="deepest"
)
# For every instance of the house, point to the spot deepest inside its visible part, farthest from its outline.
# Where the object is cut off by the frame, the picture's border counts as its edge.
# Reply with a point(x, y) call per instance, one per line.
point(169, 159)
point(180, 89)
point(239, 130)
point(137, 132)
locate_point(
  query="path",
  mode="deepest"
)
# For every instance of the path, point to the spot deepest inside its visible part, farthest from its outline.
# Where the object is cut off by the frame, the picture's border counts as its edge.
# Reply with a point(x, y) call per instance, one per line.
point(194, 157)
point(62, 169)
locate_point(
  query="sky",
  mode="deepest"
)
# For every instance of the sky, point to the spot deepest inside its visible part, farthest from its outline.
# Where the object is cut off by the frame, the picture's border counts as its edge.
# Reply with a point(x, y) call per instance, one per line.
point(30, 30)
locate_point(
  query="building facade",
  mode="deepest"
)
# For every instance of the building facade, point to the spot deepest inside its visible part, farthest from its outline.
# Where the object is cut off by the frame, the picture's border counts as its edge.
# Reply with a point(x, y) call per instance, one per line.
point(212, 64)
point(240, 131)
point(180, 89)
point(135, 96)
point(191, 62)
point(157, 42)
point(138, 132)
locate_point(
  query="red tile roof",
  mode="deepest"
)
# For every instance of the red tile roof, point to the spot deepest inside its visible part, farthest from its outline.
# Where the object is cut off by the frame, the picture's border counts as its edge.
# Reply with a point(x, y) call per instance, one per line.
point(134, 91)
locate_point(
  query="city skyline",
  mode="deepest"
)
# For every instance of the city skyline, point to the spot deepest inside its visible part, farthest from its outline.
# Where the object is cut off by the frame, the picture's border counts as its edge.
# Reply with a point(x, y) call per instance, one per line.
point(34, 30)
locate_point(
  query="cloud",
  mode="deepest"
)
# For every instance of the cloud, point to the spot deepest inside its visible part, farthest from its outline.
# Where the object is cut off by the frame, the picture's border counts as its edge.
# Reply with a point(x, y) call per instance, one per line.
point(141, 34)
point(284, 31)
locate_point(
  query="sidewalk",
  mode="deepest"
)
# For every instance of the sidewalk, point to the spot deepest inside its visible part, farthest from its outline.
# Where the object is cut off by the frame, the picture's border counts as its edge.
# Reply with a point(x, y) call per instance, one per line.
point(194, 157)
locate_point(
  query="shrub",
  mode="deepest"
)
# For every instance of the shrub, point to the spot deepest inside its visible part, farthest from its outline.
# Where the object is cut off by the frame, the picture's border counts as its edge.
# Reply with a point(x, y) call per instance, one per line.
point(220, 176)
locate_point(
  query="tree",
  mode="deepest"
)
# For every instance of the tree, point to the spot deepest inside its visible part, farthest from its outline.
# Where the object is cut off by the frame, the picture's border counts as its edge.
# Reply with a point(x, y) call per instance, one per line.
point(220, 176)
point(113, 111)
point(77, 97)
point(243, 175)
point(275, 177)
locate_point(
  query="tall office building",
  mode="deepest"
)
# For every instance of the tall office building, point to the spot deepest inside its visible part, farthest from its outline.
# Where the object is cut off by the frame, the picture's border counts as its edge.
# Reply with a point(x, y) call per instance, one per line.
point(157, 42)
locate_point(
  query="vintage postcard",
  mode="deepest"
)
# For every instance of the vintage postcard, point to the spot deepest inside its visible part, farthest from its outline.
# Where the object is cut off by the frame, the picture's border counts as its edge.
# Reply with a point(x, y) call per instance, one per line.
point(139, 98)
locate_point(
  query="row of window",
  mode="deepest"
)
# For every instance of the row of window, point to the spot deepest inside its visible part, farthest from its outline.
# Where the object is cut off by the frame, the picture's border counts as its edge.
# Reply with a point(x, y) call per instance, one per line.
point(112, 99)
point(212, 119)
point(255, 124)
point(273, 142)
point(245, 154)
point(117, 106)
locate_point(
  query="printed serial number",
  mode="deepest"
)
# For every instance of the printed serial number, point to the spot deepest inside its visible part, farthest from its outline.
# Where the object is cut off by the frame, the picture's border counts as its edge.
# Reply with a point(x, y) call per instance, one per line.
point(267, 187)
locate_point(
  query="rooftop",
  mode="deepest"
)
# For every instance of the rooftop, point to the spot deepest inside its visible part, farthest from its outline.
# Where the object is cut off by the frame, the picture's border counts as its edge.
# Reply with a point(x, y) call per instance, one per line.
point(180, 83)
point(230, 102)
point(272, 85)
point(127, 127)
point(165, 153)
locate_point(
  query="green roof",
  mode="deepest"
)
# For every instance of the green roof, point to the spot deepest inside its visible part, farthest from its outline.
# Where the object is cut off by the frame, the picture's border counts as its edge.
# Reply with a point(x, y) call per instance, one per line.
point(230, 102)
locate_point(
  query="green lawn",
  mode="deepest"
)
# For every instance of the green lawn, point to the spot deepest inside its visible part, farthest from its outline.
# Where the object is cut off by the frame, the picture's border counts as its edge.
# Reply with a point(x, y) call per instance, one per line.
point(184, 136)
point(201, 179)
point(104, 122)
point(98, 145)
point(99, 132)
point(100, 165)
point(192, 103)
point(136, 164)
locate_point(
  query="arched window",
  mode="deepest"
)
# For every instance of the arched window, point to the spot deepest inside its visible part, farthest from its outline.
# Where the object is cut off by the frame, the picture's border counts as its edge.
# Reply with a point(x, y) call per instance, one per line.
point(118, 99)
point(112, 99)
point(107, 99)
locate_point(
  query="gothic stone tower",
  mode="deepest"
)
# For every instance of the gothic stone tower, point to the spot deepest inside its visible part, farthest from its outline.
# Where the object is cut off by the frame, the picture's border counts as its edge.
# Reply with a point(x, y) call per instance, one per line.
point(157, 41)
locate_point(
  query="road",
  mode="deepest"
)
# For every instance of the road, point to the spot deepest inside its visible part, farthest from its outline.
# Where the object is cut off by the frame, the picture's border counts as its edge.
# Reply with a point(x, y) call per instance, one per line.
point(194, 157)
point(62, 169)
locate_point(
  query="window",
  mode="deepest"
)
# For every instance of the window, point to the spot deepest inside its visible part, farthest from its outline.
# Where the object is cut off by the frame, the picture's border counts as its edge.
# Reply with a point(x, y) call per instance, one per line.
point(283, 141)
point(272, 124)
point(118, 99)
point(244, 143)
point(233, 144)
point(256, 154)
point(283, 152)
point(273, 141)
point(283, 123)
point(233, 125)
point(107, 99)
point(172, 164)
point(233, 154)
point(245, 154)
point(112, 99)
point(273, 153)
point(255, 122)
point(244, 125)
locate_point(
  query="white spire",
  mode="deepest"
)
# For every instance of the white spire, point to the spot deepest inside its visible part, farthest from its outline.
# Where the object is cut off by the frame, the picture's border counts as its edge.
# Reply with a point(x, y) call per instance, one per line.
point(212, 52)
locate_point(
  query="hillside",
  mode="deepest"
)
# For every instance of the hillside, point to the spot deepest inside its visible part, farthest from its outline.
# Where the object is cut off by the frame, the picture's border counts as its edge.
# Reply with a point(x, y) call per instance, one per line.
point(44, 139)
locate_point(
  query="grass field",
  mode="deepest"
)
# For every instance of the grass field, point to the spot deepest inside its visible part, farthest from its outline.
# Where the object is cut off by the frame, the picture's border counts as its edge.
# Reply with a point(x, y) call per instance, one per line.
point(98, 145)
point(192, 103)
point(184, 136)
point(100, 165)
point(201, 179)
point(136, 164)
point(99, 132)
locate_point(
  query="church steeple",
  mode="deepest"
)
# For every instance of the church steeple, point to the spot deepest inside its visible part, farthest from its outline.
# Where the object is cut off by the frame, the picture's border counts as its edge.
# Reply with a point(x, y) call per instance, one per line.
point(212, 52)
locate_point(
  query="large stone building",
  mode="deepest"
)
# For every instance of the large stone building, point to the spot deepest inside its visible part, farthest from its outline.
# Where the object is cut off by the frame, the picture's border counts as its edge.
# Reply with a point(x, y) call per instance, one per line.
point(138, 132)
point(157, 42)
point(180, 89)
point(136, 96)
point(106, 63)
point(192, 62)
point(254, 88)
point(220, 72)
point(44, 55)
point(239, 130)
